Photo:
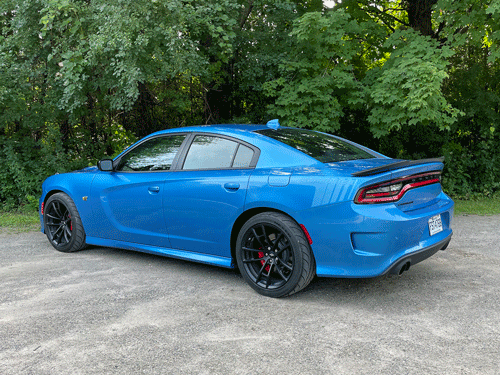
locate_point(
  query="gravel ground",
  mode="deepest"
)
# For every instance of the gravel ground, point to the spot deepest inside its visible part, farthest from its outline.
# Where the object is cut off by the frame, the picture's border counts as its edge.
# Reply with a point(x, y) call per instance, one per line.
point(108, 311)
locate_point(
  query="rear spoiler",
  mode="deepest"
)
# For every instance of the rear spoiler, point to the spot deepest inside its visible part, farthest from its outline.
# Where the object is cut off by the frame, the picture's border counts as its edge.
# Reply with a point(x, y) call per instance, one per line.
point(396, 165)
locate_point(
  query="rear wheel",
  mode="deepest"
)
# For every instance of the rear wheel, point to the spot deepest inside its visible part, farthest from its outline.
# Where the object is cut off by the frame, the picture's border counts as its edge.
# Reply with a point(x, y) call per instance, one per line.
point(63, 225)
point(274, 256)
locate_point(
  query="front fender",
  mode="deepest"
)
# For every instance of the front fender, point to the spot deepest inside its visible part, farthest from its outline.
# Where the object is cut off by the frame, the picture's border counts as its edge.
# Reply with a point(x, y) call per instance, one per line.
point(76, 186)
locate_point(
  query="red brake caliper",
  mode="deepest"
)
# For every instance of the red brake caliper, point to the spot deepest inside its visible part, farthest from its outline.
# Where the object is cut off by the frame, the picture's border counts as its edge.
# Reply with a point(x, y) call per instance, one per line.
point(261, 255)
point(71, 223)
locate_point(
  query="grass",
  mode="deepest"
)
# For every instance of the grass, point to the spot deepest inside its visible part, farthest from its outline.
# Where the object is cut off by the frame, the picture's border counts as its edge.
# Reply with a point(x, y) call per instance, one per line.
point(478, 206)
point(26, 219)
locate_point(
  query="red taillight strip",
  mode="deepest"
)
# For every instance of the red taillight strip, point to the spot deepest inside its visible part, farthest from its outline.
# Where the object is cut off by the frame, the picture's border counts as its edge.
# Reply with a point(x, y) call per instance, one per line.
point(383, 197)
point(43, 205)
point(411, 177)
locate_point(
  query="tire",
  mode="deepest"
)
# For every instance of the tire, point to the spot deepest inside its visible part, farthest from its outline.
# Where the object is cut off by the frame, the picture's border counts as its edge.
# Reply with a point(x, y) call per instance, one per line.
point(62, 223)
point(274, 256)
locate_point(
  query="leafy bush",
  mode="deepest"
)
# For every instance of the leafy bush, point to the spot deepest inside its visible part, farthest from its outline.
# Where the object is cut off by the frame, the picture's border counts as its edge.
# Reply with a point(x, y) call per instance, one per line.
point(26, 162)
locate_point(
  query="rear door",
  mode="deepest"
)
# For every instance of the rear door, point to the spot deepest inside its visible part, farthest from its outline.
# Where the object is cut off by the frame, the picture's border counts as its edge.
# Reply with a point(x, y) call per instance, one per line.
point(205, 196)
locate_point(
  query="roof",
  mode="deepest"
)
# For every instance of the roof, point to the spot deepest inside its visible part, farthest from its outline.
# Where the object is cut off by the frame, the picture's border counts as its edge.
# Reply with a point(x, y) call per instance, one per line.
point(217, 128)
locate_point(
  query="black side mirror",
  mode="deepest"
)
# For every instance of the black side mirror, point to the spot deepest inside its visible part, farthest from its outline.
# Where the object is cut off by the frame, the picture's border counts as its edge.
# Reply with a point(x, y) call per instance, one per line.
point(105, 165)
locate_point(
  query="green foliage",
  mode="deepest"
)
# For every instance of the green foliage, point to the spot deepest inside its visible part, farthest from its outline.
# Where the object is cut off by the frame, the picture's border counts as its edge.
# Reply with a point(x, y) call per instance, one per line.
point(471, 148)
point(21, 170)
point(407, 89)
point(318, 77)
point(472, 164)
point(330, 69)
point(471, 22)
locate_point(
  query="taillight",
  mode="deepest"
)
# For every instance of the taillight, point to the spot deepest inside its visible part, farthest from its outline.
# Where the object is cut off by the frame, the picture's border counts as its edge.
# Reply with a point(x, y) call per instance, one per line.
point(392, 191)
point(43, 205)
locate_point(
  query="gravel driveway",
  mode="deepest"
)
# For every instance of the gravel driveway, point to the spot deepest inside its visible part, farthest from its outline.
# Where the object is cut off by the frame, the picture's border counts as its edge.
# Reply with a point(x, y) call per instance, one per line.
point(108, 311)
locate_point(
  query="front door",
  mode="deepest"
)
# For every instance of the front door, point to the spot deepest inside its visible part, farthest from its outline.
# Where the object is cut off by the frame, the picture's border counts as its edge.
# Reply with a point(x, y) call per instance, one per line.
point(128, 202)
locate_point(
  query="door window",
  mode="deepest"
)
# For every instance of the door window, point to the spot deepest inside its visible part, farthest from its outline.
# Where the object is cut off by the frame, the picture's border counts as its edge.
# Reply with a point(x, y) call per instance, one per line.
point(156, 154)
point(207, 152)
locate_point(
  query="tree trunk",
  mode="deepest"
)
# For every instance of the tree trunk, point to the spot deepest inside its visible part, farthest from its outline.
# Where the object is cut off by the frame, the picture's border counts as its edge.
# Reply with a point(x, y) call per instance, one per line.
point(420, 15)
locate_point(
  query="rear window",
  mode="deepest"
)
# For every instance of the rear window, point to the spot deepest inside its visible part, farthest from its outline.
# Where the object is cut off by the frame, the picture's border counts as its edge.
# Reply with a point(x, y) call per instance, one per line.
point(324, 148)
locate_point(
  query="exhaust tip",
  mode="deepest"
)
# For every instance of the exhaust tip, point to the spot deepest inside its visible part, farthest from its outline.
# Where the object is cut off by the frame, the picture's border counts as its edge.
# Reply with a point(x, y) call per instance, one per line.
point(399, 269)
point(404, 267)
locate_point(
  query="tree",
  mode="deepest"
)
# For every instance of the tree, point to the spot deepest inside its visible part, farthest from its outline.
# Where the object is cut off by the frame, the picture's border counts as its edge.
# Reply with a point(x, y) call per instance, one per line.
point(358, 55)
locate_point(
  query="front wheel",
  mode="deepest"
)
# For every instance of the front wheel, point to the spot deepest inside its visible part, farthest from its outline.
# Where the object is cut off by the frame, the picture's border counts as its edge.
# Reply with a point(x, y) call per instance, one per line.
point(273, 255)
point(63, 225)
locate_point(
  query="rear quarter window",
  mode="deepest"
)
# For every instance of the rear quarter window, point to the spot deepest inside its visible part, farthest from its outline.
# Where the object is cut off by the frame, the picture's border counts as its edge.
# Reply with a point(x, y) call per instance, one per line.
point(323, 147)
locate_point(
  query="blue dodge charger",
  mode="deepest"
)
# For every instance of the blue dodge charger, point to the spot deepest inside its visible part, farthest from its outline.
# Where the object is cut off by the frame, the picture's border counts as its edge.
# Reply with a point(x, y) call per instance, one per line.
point(280, 204)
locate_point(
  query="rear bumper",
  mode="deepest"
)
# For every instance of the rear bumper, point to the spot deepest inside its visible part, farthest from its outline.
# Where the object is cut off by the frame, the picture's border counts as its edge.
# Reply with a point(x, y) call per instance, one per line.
point(363, 241)
point(404, 263)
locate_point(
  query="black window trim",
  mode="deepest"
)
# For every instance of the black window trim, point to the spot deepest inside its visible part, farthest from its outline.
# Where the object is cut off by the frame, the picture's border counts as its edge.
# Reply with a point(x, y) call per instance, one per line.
point(180, 158)
point(183, 154)
point(236, 153)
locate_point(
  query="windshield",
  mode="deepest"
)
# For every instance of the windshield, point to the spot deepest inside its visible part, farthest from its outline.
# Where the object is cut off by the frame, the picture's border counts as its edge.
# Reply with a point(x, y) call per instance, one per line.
point(323, 147)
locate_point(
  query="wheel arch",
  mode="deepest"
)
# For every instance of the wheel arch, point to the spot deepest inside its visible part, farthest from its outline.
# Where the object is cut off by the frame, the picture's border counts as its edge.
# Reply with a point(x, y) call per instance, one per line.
point(56, 189)
point(51, 193)
point(243, 218)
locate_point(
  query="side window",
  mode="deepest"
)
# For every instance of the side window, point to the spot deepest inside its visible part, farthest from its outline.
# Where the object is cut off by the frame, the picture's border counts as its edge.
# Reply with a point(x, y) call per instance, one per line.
point(207, 152)
point(243, 157)
point(156, 154)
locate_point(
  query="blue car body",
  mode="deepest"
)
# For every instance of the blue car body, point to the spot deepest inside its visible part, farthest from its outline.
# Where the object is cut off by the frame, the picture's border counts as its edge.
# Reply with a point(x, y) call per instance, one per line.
point(196, 214)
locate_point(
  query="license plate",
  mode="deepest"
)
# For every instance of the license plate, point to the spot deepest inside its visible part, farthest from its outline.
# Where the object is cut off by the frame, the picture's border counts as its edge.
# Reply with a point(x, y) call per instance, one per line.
point(435, 225)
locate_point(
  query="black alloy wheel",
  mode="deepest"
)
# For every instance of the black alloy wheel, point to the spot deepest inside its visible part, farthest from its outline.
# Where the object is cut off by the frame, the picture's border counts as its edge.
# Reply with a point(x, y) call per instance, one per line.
point(63, 225)
point(274, 256)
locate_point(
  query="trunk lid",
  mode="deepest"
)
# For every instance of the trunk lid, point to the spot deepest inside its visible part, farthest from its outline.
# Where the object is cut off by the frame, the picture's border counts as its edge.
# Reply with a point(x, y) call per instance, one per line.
point(355, 166)
point(414, 173)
